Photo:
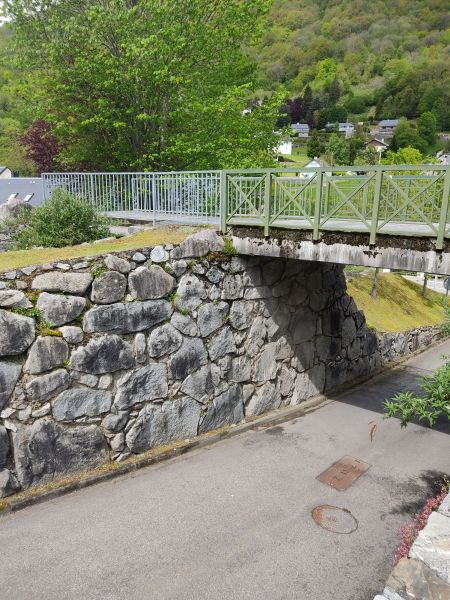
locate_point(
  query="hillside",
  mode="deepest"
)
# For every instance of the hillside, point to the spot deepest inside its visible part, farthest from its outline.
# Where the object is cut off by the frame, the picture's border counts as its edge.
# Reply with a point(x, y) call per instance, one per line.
point(391, 59)
point(399, 305)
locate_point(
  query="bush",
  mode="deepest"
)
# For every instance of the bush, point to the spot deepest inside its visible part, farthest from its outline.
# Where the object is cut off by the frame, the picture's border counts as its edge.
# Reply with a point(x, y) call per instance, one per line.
point(435, 401)
point(63, 220)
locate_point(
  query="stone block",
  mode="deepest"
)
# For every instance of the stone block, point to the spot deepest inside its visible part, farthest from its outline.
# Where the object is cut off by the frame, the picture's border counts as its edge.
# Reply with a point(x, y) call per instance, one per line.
point(144, 385)
point(69, 283)
point(267, 397)
point(127, 318)
point(81, 402)
point(45, 450)
point(211, 316)
point(9, 374)
point(149, 283)
point(42, 388)
point(226, 409)
point(16, 333)
point(59, 310)
point(164, 340)
point(160, 424)
point(106, 354)
point(109, 288)
point(45, 354)
point(191, 356)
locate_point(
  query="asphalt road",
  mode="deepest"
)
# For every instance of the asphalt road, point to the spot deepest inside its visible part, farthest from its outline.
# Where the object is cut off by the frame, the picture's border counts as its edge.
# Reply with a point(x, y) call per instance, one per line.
point(233, 521)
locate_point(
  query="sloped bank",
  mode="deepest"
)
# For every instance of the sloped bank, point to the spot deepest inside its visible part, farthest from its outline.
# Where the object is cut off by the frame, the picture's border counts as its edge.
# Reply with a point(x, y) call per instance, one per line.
point(114, 355)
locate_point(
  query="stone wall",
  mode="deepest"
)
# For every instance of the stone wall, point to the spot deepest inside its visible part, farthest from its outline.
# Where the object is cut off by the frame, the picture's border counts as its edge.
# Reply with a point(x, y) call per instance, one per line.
point(106, 357)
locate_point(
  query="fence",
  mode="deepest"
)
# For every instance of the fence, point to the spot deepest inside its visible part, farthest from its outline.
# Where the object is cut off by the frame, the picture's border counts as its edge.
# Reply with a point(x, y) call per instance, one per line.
point(408, 200)
point(188, 196)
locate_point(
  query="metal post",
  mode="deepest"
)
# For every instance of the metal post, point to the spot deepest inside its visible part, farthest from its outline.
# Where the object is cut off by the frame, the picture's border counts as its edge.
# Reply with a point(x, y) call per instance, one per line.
point(318, 205)
point(154, 199)
point(444, 212)
point(223, 202)
point(376, 206)
point(267, 190)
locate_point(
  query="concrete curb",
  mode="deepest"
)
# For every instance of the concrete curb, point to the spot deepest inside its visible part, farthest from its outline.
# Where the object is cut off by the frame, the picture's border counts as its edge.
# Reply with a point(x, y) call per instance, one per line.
point(111, 470)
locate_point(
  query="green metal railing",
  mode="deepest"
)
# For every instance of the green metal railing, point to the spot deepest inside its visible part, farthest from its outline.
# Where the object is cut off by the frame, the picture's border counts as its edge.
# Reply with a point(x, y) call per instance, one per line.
point(408, 200)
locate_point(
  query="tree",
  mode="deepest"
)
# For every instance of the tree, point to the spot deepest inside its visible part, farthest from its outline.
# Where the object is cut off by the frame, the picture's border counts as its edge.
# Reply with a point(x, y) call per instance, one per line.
point(374, 290)
point(404, 156)
point(12, 154)
point(406, 134)
point(338, 150)
point(427, 127)
point(334, 91)
point(145, 84)
point(308, 105)
point(366, 156)
point(315, 148)
point(296, 109)
point(42, 147)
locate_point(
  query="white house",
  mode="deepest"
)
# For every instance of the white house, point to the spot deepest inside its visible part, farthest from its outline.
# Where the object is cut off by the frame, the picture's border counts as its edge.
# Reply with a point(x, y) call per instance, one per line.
point(313, 164)
point(347, 128)
point(284, 147)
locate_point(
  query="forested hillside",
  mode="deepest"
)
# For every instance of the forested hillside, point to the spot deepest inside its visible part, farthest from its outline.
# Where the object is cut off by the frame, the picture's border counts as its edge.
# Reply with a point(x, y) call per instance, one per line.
point(391, 59)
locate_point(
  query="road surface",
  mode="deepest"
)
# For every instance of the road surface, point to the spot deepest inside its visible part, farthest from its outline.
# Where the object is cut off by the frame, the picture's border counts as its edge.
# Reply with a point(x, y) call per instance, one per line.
point(233, 520)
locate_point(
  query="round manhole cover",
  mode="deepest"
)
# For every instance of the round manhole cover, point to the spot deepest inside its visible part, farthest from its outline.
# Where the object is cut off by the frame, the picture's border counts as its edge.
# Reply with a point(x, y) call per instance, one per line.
point(335, 519)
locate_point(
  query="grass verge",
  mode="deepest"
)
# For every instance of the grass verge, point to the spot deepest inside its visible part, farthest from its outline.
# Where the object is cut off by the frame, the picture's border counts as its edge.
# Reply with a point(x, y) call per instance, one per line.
point(150, 237)
point(399, 305)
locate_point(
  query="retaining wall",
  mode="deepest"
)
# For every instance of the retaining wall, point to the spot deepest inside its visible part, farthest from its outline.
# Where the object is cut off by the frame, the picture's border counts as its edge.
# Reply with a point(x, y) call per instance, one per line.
point(111, 356)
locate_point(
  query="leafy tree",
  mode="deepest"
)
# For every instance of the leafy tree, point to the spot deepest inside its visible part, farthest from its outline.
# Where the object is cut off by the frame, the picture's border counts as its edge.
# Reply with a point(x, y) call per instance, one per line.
point(366, 156)
point(338, 150)
point(315, 147)
point(403, 156)
point(308, 105)
point(42, 147)
point(12, 154)
point(146, 84)
point(406, 135)
point(334, 91)
point(427, 127)
point(296, 109)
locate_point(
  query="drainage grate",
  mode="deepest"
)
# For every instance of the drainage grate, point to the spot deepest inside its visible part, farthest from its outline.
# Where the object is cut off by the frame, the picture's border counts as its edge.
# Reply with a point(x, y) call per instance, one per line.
point(343, 473)
point(335, 519)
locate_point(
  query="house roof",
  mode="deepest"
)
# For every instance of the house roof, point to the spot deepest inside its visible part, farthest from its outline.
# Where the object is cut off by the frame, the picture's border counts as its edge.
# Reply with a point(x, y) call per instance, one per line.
point(346, 125)
point(388, 123)
point(377, 141)
point(3, 169)
point(300, 126)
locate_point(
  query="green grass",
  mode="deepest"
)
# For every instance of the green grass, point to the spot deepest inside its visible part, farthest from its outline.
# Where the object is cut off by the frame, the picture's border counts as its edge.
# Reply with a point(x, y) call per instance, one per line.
point(298, 158)
point(151, 237)
point(399, 305)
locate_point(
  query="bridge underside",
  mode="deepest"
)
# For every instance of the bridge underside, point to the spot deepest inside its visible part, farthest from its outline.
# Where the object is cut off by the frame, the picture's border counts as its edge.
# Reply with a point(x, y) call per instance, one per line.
point(350, 248)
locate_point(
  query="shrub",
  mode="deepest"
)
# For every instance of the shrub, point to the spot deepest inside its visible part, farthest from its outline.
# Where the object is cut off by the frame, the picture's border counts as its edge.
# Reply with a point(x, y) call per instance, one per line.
point(434, 403)
point(63, 220)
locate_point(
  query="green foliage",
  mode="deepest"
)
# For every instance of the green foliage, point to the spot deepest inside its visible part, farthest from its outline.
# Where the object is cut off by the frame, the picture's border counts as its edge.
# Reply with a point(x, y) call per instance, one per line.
point(337, 150)
point(146, 85)
point(63, 220)
point(404, 156)
point(432, 404)
point(228, 247)
point(315, 147)
point(396, 58)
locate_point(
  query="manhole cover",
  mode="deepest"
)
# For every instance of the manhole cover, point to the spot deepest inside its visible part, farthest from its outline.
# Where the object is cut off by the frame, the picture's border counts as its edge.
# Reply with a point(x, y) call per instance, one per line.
point(335, 519)
point(343, 473)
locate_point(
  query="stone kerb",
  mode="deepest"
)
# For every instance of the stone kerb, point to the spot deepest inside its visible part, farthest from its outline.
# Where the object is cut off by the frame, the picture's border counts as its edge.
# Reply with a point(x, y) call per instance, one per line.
point(110, 356)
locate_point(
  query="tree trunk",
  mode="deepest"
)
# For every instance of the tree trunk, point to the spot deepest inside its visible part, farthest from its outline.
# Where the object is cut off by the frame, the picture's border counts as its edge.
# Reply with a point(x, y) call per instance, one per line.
point(424, 286)
point(373, 292)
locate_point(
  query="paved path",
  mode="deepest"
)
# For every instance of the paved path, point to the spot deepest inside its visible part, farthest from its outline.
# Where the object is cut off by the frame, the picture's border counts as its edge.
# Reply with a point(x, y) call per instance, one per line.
point(233, 521)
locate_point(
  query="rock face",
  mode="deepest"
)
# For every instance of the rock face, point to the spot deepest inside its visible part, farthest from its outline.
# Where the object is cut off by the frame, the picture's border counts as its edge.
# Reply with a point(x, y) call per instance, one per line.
point(13, 299)
point(58, 310)
point(127, 318)
point(11, 208)
point(103, 355)
point(45, 354)
point(144, 385)
point(16, 333)
point(189, 357)
point(44, 450)
point(109, 288)
point(158, 425)
point(81, 402)
point(150, 283)
point(69, 283)
point(9, 374)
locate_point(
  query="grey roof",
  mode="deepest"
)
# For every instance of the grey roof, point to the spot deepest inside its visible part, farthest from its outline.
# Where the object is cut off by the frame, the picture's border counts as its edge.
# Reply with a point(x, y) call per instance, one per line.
point(300, 126)
point(388, 123)
point(22, 186)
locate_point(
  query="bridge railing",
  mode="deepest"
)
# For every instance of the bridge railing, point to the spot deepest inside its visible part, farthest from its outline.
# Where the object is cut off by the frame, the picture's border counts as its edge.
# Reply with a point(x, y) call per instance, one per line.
point(191, 196)
point(408, 200)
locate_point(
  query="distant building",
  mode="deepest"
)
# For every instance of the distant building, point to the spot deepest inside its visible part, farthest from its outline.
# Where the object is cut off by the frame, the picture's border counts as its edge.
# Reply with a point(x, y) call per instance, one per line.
point(300, 129)
point(347, 128)
point(5, 172)
point(379, 145)
point(387, 126)
point(284, 147)
point(313, 164)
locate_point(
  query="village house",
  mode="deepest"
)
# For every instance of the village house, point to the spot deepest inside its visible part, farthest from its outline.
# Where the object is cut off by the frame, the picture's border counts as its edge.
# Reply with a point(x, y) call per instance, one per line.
point(300, 129)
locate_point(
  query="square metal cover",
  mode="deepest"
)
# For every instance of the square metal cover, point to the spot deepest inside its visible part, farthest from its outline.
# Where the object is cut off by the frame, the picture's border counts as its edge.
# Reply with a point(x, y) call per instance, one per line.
point(343, 473)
